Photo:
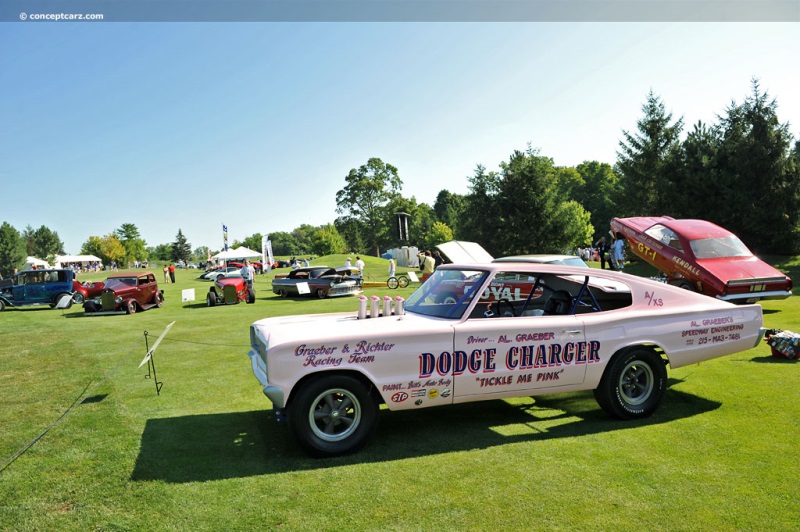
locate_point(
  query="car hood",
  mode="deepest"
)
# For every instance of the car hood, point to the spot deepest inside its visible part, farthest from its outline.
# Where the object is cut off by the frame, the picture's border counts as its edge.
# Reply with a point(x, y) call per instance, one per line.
point(325, 331)
point(740, 268)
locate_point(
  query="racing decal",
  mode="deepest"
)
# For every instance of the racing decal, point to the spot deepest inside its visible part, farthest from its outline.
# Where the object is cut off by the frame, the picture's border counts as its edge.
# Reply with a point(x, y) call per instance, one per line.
point(399, 397)
point(517, 358)
point(652, 300)
point(524, 378)
point(712, 331)
point(433, 393)
point(685, 265)
point(362, 352)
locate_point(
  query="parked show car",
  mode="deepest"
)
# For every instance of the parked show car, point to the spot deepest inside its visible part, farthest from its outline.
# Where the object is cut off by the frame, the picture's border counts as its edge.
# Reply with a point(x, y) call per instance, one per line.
point(228, 271)
point(327, 374)
point(127, 293)
point(703, 257)
point(36, 287)
point(319, 281)
point(229, 291)
point(88, 290)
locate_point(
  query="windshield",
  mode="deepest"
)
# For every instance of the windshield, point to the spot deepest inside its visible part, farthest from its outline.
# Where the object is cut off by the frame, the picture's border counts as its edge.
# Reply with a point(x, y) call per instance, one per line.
point(713, 248)
point(125, 281)
point(447, 293)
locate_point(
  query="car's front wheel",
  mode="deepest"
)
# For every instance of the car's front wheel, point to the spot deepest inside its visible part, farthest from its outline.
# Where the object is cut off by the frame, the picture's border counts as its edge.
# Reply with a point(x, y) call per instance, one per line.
point(333, 415)
point(211, 298)
point(633, 384)
point(251, 296)
point(322, 293)
point(130, 308)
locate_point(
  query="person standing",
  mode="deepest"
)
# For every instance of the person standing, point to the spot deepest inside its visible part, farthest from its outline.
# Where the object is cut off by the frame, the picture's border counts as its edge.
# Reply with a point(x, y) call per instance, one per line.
point(347, 263)
point(602, 250)
point(617, 252)
point(427, 265)
point(360, 265)
point(172, 273)
point(437, 259)
point(166, 274)
point(391, 268)
point(248, 272)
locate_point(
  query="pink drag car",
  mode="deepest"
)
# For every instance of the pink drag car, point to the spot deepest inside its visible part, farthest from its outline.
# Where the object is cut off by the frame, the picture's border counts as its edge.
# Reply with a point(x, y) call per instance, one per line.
point(509, 329)
point(703, 257)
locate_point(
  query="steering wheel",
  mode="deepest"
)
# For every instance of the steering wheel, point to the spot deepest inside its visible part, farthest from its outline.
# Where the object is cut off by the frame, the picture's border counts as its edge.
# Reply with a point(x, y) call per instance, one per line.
point(510, 313)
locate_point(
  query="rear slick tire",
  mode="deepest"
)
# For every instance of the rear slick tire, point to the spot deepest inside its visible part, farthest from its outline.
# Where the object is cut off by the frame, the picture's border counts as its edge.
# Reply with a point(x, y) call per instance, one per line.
point(633, 384)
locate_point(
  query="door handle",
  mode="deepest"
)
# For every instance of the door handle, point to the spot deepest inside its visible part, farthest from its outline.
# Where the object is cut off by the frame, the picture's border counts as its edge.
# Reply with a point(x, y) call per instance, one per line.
point(574, 331)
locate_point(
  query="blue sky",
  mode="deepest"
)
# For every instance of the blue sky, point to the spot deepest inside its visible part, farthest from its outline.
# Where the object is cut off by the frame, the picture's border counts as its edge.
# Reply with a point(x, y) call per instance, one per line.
point(256, 125)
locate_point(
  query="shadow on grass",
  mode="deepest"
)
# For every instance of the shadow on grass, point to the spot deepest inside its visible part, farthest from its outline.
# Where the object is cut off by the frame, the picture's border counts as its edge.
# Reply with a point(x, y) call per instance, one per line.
point(242, 444)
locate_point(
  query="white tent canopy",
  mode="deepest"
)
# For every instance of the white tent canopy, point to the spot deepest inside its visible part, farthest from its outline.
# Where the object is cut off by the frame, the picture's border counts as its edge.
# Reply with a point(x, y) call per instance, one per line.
point(30, 262)
point(63, 260)
point(238, 253)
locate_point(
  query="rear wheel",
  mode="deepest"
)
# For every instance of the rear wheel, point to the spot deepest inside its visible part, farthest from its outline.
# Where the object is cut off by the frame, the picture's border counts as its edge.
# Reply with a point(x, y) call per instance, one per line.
point(283, 293)
point(402, 281)
point(333, 415)
point(78, 298)
point(2, 305)
point(158, 299)
point(633, 384)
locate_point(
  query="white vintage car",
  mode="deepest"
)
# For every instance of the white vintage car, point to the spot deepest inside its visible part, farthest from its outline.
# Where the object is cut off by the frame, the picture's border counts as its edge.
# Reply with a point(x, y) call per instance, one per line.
point(489, 331)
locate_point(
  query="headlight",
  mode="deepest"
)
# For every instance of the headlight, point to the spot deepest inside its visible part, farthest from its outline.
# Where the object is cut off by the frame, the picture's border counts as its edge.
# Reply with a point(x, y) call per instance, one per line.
point(118, 300)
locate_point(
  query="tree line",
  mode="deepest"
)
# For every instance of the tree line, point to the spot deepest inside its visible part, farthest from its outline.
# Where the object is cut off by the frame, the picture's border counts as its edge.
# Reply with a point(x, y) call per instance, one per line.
point(741, 172)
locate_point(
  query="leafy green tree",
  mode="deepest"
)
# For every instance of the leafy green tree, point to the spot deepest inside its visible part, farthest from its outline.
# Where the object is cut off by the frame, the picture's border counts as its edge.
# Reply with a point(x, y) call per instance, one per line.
point(112, 250)
point(326, 240)
point(162, 252)
point(135, 246)
point(758, 176)
point(597, 194)
point(12, 250)
point(647, 159)
point(449, 208)
point(480, 220)
point(283, 244)
point(351, 230)
point(697, 182)
point(303, 236)
point(534, 216)
point(93, 246)
point(522, 209)
point(367, 190)
point(438, 234)
point(42, 243)
point(181, 249)
point(201, 254)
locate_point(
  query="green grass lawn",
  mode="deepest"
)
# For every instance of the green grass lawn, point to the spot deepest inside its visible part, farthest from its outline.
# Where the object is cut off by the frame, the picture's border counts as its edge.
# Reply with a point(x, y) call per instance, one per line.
point(720, 454)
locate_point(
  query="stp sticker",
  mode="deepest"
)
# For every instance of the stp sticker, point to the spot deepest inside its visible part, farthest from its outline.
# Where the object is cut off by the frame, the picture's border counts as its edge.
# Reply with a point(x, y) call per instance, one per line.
point(399, 397)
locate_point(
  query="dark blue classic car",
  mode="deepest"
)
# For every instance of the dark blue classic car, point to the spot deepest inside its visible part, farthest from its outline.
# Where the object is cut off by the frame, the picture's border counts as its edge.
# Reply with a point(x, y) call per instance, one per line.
point(36, 287)
point(320, 281)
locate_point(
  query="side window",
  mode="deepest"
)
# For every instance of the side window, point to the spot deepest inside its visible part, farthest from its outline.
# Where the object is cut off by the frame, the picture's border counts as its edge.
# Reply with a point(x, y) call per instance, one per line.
point(664, 235)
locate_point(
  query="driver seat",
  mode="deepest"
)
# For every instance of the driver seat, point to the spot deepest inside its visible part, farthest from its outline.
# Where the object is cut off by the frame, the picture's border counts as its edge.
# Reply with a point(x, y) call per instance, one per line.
point(558, 304)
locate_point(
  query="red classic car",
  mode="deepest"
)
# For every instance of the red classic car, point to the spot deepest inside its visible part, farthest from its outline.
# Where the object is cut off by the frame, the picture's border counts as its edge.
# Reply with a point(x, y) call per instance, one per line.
point(83, 291)
point(127, 293)
point(229, 291)
point(702, 256)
